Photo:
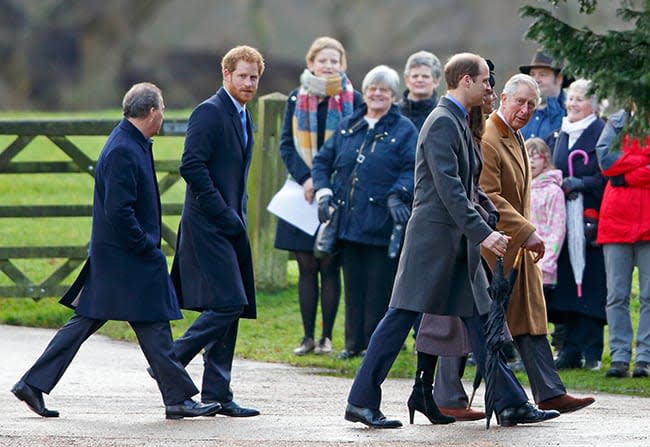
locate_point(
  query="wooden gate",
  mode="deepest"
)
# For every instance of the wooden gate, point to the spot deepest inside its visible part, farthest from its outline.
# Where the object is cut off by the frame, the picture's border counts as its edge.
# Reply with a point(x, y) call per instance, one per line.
point(266, 175)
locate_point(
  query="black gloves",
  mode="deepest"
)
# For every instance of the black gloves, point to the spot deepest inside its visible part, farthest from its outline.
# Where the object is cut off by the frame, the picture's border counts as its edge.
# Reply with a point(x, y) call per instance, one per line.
point(572, 186)
point(324, 211)
point(493, 219)
point(230, 223)
point(398, 210)
point(591, 231)
point(618, 180)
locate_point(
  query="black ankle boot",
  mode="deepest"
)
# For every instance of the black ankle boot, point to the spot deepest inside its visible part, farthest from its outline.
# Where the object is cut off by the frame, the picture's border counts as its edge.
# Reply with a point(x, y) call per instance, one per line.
point(421, 399)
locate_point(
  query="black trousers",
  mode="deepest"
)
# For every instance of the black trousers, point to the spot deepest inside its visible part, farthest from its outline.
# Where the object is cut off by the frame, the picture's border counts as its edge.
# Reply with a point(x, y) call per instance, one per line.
point(214, 331)
point(368, 275)
point(584, 337)
point(386, 344)
point(536, 354)
point(155, 340)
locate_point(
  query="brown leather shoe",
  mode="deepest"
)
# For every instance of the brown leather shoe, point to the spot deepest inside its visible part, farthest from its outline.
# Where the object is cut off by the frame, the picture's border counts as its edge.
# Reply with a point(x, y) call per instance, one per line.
point(463, 414)
point(565, 403)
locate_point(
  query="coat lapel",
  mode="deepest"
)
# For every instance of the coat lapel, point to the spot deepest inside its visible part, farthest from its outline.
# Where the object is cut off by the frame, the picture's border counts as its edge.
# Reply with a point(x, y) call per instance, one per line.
point(514, 142)
point(469, 141)
point(234, 117)
point(238, 130)
point(249, 130)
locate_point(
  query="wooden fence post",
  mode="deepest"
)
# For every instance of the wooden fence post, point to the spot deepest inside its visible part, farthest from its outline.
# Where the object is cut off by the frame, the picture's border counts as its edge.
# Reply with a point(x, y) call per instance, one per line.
point(267, 174)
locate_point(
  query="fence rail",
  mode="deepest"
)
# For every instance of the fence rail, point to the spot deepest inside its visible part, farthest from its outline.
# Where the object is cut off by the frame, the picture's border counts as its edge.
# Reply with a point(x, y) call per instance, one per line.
point(266, 177)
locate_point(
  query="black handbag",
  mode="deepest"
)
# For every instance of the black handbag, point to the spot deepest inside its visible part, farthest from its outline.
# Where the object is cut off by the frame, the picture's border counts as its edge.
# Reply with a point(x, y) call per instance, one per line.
point(327, 237)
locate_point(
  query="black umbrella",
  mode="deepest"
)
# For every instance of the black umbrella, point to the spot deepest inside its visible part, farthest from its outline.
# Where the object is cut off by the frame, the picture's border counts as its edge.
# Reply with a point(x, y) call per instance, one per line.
point(500, 289)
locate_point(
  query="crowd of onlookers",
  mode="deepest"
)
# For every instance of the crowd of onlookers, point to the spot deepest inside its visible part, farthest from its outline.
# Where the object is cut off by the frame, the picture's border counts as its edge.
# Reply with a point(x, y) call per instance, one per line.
point(422, 203)
point(353, 153)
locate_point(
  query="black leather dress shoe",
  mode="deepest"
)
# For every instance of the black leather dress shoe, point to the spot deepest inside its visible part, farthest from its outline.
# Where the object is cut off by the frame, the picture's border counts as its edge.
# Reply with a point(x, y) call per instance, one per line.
point(34, 399)
point(347, 354)
point(191, 409)
point(526, 413)
point(233, 410)
point(371, 418)
point(567, 361)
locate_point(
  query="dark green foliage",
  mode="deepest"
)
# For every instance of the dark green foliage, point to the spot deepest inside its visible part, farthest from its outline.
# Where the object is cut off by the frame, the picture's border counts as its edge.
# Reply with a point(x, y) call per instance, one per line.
point(618, 62)
point(586, 6)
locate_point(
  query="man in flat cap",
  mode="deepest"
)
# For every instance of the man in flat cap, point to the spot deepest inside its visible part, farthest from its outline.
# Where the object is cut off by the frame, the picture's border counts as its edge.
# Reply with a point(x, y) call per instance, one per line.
point(548, 115)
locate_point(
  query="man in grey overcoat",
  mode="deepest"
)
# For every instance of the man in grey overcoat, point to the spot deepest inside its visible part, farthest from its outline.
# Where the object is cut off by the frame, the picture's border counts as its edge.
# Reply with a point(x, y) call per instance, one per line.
point(439, 269)
point(125, 276)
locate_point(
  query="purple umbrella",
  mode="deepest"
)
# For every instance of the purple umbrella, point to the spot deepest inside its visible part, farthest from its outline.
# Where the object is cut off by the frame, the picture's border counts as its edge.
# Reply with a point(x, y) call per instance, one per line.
point(575, 227)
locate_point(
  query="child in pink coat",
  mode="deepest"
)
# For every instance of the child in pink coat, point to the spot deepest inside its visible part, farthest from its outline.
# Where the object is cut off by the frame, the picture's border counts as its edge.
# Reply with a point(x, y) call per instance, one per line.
point(548, 214)
point(548, 211)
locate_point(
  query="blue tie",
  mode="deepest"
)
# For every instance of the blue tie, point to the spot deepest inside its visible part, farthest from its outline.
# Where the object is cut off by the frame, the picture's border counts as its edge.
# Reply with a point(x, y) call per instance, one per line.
point(242, 118)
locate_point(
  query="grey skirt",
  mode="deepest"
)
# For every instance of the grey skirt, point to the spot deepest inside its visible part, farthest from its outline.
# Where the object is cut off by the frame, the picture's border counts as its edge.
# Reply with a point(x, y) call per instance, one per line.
point(442, 335)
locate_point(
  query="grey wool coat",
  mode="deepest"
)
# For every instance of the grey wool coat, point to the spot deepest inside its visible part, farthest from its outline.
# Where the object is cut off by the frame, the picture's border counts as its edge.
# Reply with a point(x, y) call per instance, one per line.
point(439, 270)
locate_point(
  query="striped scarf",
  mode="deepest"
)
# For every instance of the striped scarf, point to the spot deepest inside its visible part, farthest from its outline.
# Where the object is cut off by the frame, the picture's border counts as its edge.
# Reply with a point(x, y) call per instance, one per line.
point(340, 103)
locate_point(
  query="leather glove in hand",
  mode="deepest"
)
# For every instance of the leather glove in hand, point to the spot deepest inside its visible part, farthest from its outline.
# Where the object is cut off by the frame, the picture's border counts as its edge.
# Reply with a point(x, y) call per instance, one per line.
point(618, 180)
point(591, 231)
point(572, 186)
point(398, 210)
point(324, 211)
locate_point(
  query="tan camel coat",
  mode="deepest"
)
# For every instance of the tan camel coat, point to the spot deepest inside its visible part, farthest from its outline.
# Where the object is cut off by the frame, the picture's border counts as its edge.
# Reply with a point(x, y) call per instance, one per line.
point(506, 179)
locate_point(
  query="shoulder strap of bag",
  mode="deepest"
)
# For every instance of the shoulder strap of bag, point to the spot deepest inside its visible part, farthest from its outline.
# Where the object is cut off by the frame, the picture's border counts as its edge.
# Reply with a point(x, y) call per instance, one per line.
point(358, 161)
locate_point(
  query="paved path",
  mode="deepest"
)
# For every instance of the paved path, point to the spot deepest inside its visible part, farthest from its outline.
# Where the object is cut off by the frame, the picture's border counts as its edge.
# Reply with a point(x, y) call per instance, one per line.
point(107, 399)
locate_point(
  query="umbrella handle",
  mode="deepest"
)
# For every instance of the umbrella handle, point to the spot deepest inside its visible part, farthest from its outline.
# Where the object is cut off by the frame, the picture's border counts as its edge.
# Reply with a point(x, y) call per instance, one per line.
point(471, 399)
point(573, 154)
point(517, 263)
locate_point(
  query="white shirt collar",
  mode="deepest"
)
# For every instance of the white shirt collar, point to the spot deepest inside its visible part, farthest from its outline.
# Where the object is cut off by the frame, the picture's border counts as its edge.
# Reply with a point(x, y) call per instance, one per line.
point(503, 118)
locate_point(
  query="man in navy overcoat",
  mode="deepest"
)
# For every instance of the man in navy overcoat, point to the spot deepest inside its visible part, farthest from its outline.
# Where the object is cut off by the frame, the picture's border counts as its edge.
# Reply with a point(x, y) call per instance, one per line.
point(125, 276)
point(213, 269)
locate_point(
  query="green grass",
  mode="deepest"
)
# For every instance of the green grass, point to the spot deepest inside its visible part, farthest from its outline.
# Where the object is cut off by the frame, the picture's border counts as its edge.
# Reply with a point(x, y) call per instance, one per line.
point(63, 189)
point(278, 329)
point(272, 337)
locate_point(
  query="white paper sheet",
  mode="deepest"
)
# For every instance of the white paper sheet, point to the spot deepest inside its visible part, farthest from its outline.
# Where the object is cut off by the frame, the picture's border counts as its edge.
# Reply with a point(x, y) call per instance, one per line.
point(289, 204)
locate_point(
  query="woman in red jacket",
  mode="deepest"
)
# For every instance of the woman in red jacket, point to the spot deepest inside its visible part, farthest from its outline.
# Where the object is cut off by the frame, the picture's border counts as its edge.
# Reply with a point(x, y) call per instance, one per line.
point(624, 231)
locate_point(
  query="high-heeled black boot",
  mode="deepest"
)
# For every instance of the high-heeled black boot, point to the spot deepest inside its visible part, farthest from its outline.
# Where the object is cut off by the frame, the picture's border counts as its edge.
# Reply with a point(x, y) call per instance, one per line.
point(421, 398)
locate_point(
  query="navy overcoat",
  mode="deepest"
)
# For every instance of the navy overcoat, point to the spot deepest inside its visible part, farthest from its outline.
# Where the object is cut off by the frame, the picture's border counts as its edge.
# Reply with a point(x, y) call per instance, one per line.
point(212, 270)
point(594, 285)
point(387, 168)
point(125, 276)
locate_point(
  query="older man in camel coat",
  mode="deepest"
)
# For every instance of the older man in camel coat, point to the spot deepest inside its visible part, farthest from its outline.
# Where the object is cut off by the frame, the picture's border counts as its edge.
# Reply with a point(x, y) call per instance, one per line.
point(506, 178)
